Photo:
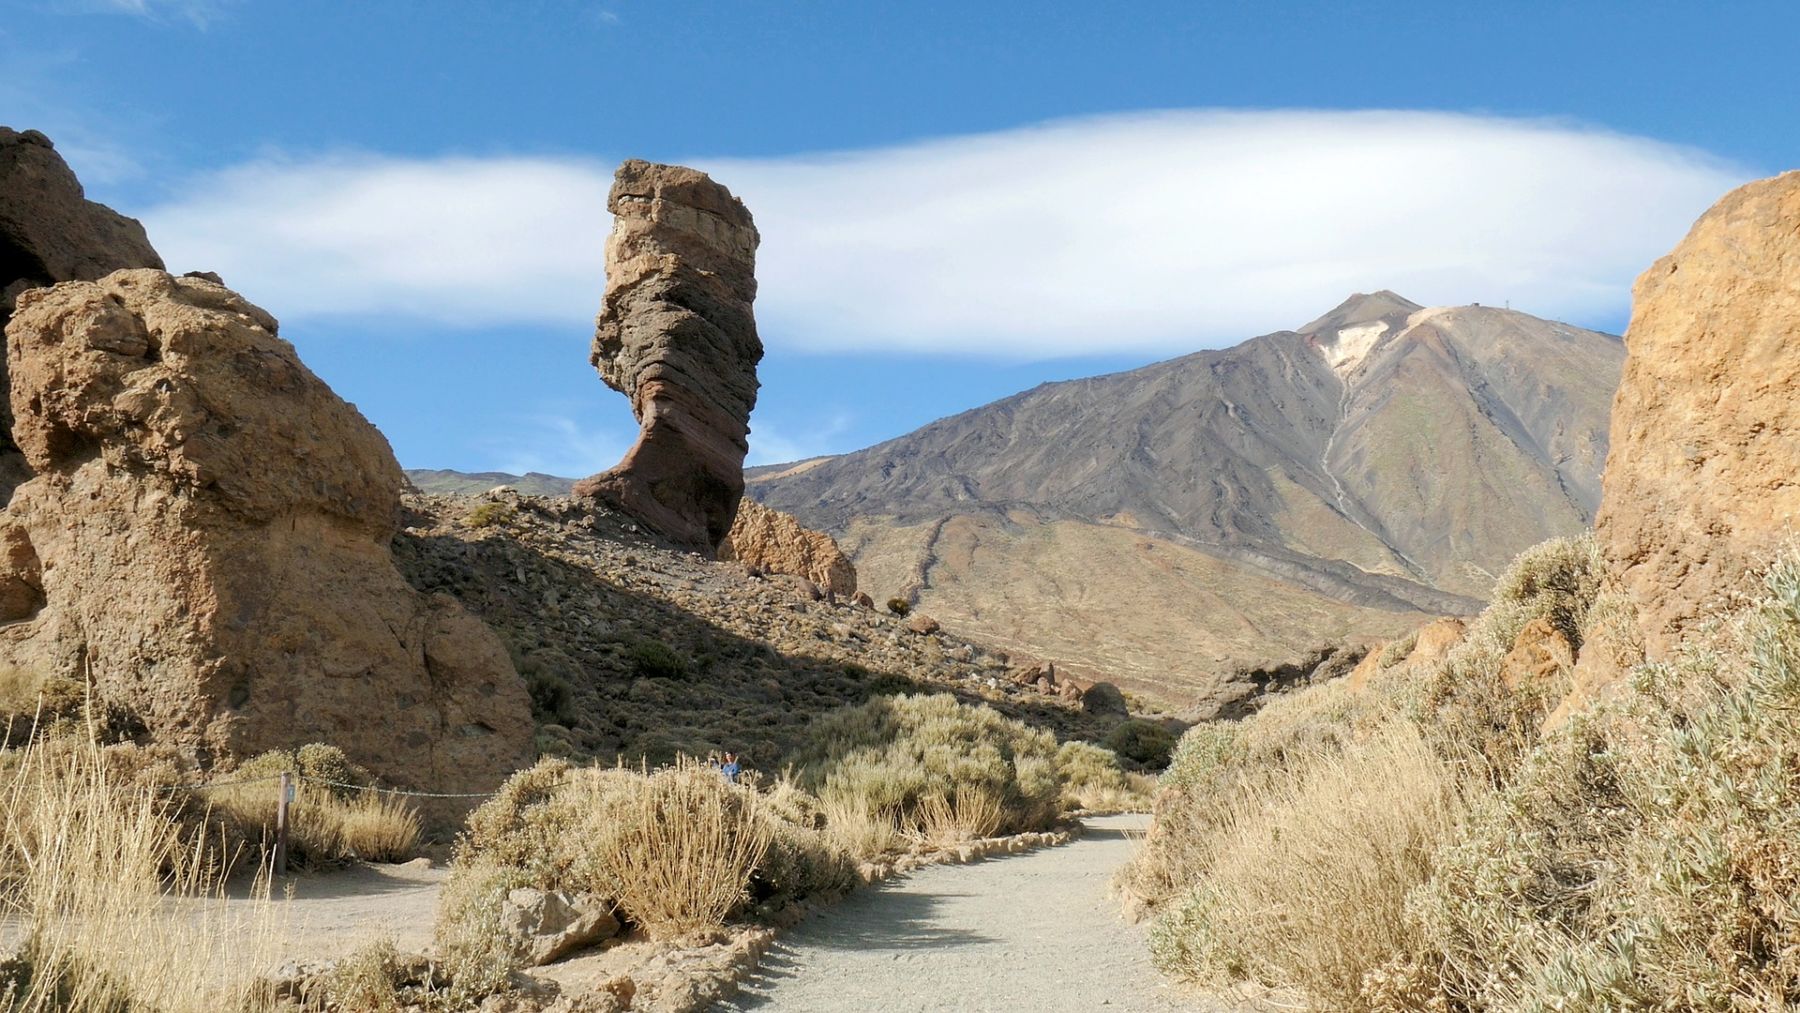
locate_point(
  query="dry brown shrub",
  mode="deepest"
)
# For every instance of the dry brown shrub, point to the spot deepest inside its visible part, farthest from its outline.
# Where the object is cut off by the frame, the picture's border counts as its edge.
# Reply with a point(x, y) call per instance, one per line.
point(115, 908)
point(1304, 877)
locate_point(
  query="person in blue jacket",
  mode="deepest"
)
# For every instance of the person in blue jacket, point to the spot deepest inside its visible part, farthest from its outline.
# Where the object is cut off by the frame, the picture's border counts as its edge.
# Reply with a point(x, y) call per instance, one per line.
point(730, 767)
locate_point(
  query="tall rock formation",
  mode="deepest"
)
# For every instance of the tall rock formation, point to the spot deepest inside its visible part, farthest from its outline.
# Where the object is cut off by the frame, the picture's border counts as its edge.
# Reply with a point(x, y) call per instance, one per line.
point(207, 537)
point(776, 542)
point(1704, 477)
point(677, 335)
point(50, 232)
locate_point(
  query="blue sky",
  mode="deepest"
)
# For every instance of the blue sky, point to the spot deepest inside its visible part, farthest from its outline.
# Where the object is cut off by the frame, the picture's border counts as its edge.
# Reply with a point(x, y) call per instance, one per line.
point(957, 200)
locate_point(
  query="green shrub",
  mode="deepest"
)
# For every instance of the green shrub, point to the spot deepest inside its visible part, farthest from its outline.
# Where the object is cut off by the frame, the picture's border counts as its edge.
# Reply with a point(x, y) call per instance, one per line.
point(899, 606)
point(678, 850)
point(653, 659)
point(1398, 651)
point(884, 759)
point(1145, 743)
point(491, 515)
point(1649, 858)
point(1093, 780)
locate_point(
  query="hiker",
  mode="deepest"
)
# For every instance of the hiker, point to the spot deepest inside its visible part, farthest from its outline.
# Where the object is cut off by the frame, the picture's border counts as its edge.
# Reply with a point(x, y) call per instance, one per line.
point(730, 767)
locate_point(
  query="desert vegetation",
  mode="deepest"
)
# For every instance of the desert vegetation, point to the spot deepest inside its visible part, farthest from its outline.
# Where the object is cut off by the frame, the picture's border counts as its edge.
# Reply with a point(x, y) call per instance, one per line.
point(678, 852)
point(1434, 840)
point(117, 908)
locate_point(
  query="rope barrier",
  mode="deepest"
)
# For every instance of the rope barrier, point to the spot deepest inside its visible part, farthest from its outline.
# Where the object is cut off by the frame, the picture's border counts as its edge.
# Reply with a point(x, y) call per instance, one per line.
point(220, 784)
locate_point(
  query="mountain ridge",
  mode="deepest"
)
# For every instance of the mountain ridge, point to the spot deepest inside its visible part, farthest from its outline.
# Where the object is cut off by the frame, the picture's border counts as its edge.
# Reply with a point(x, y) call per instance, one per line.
point(1387, 456)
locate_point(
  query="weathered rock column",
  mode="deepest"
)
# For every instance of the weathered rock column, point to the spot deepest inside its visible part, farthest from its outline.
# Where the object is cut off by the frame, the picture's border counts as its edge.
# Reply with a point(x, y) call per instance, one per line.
point(51, 232)
point(206, 543)
point(677, 335)
point(1703, 482)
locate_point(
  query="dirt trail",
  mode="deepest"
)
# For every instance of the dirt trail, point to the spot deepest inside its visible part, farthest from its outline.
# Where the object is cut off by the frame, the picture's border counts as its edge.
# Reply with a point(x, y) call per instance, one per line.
point(1026, 932)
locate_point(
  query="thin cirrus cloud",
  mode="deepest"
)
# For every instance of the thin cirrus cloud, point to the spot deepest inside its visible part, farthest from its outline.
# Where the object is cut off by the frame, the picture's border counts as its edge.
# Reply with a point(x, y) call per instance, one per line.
point(1158, 232)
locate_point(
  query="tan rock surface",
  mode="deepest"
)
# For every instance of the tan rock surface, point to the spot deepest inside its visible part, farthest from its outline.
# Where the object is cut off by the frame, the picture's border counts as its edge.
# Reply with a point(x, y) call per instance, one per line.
point(210, 527)
point(676, 333)
point(774, 541)
point(1704, 476)
point(51, 232)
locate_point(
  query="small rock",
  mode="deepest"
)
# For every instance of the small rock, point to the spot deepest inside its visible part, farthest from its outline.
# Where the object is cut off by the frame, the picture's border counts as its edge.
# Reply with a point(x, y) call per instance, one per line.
point(923, 624)
point(547, 925)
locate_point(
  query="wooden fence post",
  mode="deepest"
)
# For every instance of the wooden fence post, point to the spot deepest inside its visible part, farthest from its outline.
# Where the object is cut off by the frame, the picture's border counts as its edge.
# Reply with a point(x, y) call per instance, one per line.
point(281, 824)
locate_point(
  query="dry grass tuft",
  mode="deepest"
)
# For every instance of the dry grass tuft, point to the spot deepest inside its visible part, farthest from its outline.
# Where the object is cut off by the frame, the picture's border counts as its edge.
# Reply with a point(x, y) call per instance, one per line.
point(681, 848)
point(117, 910)
point(1305, 876)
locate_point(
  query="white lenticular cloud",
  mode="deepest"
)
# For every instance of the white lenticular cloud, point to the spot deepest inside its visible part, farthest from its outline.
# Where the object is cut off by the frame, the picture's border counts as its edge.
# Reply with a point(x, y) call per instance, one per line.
point(1161, 232)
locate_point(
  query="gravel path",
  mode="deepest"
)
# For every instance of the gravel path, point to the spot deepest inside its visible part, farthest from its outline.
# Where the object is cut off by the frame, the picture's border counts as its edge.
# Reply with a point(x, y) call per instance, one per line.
point(1027, 932)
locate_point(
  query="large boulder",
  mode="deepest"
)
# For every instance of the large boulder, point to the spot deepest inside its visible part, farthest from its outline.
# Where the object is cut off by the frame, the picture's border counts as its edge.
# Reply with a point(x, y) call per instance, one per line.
point(206, 541)
point(1703, 480)
point(773, 541)
point(676, 334)
point(51, 232)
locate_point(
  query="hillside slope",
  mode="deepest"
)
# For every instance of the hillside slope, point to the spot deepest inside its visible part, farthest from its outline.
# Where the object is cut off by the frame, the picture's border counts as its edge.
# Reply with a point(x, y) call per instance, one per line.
point(1240, 506)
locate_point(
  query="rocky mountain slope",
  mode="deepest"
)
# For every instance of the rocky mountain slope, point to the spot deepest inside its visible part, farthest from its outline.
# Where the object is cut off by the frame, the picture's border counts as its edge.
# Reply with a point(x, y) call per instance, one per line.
point(1171, 524)
point(473, 483)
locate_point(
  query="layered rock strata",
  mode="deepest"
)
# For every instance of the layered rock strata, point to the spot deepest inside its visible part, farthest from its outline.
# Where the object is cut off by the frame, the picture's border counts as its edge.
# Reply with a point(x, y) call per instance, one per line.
point(206, 543)
point(676, 334)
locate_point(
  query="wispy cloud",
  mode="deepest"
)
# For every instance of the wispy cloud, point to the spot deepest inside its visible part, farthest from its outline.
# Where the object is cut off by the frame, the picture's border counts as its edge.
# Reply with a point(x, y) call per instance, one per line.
point(558, 445)
point(199, 13)
point(1156, 232)
point(774, 444)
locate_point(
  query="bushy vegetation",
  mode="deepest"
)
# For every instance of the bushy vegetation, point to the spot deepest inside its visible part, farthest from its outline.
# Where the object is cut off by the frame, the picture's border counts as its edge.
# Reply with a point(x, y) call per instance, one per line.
point(91, 866)
point(494, 514)
point(1093, 780)
point(1144, 743)
point(899, 606)
point(887, 758)
point(1429, 843)
point(680, 851)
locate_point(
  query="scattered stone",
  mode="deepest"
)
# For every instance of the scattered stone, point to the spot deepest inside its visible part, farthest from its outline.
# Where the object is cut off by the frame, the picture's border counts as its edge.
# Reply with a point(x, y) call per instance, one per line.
point(774, 542)
point(676, 334)
point(862, 599)
point(1105, 698)
point(209, 528)
point(922, 624)
point(546, 925)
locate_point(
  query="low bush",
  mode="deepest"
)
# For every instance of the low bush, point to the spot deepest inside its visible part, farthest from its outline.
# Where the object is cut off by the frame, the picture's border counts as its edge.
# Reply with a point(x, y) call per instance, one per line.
point(1093, 780)
point(883, 760)
point(1144, 743)
point(1650, 857)
point(1302, 882)
point(91, 868)
point(899, 606)
point(491, 515)
point(327, 823)
point(678, 850)
point(653, 659)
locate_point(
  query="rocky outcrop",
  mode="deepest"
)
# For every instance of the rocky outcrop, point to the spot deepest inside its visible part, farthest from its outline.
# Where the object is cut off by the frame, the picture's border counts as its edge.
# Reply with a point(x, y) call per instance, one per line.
point(1704, 476)
point(51, 232)
point(206, 541)
point(545, 926)
point(775, 542)
point(676, 334)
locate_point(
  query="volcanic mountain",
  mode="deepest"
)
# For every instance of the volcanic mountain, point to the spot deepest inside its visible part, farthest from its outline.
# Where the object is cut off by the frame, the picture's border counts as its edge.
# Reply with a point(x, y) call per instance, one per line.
point(1232, 509)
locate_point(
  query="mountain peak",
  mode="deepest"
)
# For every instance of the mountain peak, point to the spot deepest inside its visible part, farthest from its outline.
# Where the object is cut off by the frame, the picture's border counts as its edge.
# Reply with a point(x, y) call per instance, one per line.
point(1362, 308)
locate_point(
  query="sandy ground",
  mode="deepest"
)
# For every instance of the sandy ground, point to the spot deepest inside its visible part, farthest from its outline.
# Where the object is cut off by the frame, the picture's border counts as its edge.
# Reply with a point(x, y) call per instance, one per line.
point(1027, 932)
point(333, 914)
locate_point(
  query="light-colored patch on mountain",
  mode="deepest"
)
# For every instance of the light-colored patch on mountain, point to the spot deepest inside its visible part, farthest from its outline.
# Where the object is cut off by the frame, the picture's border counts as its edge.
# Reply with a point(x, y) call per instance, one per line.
point(1351, 345)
